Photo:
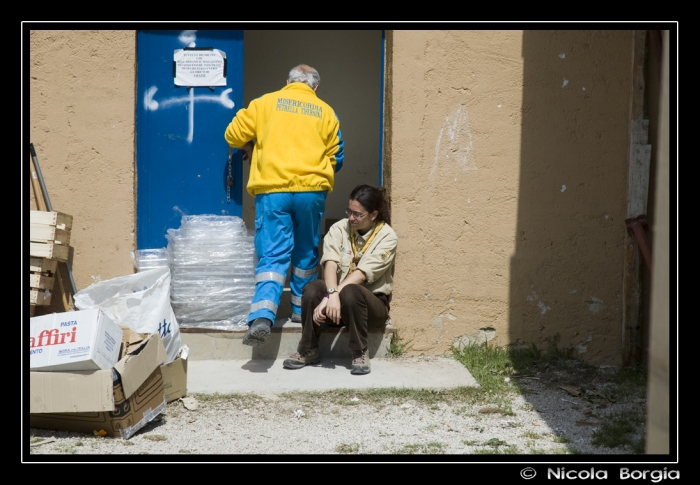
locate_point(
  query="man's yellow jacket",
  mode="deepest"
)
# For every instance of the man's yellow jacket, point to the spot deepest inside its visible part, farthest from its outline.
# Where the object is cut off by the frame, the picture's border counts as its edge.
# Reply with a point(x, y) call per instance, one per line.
point(298, 144)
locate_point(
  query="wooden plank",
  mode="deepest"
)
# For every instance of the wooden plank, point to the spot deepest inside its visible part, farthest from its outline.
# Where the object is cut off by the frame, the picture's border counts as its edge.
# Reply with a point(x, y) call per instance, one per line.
point(36, 186)
point(32, 309)
point(42, 265)
point(39, 297)
point(48, 234)
point(65, 287)
point(58, 219)
point(40, 282)
point(637, 196)
point(49, 251)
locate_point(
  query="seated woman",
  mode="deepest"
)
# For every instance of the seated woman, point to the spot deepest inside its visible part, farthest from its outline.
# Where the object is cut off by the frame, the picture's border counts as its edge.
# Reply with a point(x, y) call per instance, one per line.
point(358, 269)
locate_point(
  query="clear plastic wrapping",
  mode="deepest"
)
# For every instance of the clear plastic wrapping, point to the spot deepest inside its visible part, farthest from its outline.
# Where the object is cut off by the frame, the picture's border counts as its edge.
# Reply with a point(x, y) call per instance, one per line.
point(212, 261)
point(151, 258)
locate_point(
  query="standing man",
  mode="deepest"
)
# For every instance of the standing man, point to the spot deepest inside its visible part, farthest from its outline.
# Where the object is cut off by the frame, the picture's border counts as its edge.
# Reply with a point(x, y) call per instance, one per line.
point(297, 148)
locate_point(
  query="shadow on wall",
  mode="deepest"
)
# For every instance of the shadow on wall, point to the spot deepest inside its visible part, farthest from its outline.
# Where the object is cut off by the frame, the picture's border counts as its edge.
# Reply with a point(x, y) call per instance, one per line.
point(566, 272)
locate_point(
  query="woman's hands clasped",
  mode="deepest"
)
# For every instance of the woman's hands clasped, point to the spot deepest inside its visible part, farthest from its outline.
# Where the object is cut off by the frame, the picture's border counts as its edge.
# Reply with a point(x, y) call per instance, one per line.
point(329, 308)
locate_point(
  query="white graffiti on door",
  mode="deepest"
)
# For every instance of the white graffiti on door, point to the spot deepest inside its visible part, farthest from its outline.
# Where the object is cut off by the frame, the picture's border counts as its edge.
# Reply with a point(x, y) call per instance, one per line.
point(151, 104)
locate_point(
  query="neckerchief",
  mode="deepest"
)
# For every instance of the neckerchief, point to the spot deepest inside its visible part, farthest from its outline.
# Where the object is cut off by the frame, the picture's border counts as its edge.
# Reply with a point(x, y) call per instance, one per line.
point(356, 255)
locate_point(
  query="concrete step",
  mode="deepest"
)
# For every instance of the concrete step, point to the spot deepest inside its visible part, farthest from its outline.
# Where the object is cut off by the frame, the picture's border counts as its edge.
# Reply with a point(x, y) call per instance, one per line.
point(208, 344)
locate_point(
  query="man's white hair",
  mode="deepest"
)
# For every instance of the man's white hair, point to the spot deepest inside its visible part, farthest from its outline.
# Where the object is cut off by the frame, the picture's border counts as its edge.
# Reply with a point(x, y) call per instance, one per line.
point(304, 74)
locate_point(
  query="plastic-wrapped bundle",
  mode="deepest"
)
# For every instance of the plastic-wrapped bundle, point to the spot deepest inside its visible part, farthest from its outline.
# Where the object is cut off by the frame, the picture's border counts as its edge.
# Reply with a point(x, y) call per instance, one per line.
point(151, 258)
point(212, 261)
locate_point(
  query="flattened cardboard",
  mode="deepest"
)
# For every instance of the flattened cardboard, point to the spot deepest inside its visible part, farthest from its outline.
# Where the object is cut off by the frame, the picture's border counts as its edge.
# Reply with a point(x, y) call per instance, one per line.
point(175, 378)
point(54, 392)
point(128, 416)
point(66, 392)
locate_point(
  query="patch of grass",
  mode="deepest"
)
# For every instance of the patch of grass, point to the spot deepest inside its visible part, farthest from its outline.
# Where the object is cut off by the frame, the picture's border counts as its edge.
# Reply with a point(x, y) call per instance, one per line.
point(499, 450)
point(155, 437)
point(36, 439)
point(494, 442)
point(620, 429)
point(347, 448)
point(380, 397)
point(489, 410)
point(397, 346)
point(505, 407)
point(128, 443)
point(531, 435)
point(432, 448)
point(242, 400)
point(630, 382)
point(489, 364)
point(561, 439)
point(65, 448)
point(470, 442)
point(549, 451)
point(79, 443)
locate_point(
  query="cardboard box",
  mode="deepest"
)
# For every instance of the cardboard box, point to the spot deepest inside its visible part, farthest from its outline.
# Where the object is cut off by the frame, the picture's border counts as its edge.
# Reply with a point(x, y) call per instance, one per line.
point(73, 341)
point(119, 401)
point(175, 376)
point(174, 373)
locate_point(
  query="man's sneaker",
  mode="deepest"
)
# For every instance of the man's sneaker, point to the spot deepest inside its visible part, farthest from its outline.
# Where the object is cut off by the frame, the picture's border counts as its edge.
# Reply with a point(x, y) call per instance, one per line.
point(258, 331)
point(360, 362)
point(296, 317)
point(299, 359)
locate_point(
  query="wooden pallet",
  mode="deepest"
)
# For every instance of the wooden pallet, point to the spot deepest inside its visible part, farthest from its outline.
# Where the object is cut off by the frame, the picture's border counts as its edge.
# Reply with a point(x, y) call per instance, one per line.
point(42, 265)
point(46, 218)
point(49, 235)
point(49, 251)
point(42, 277)
point(39, 297)
point(49, 247)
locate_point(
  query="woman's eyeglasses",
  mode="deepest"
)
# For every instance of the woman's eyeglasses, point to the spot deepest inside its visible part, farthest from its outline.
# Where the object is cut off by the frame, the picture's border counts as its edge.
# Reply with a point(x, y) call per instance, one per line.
point(354, 214)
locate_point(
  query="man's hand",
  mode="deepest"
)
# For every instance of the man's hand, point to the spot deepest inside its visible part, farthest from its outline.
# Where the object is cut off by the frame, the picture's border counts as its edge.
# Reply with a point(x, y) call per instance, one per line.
point(247, 150)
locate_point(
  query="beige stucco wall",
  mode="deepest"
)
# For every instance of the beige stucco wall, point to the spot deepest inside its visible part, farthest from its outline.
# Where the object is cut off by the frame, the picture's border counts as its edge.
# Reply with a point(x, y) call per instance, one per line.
point(81, 122)
point(505, 155)
point(508, 155)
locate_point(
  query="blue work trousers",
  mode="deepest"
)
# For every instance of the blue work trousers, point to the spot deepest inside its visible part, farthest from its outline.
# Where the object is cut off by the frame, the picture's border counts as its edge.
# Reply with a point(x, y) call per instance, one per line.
point(287, 231)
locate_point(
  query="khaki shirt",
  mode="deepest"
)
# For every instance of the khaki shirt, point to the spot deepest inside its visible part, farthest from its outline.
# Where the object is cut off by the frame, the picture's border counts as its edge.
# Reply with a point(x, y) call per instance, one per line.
point(377, 262)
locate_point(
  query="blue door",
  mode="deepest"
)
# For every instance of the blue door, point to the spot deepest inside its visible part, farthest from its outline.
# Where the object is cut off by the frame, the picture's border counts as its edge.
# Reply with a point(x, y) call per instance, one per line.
point(189, 86)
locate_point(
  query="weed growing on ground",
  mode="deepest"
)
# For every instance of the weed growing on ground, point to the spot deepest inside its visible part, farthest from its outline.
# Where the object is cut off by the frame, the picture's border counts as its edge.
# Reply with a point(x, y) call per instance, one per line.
point(396, 346)
point(620, 429)
point(347, 448)
point(496, 369)
point(66, 448)
point(432, 448)
point(531, 435)
point(498, 450)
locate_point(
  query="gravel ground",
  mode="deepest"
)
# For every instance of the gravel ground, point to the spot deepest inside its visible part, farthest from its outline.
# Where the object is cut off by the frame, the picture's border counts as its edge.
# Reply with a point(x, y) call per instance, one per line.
point(544, 419)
